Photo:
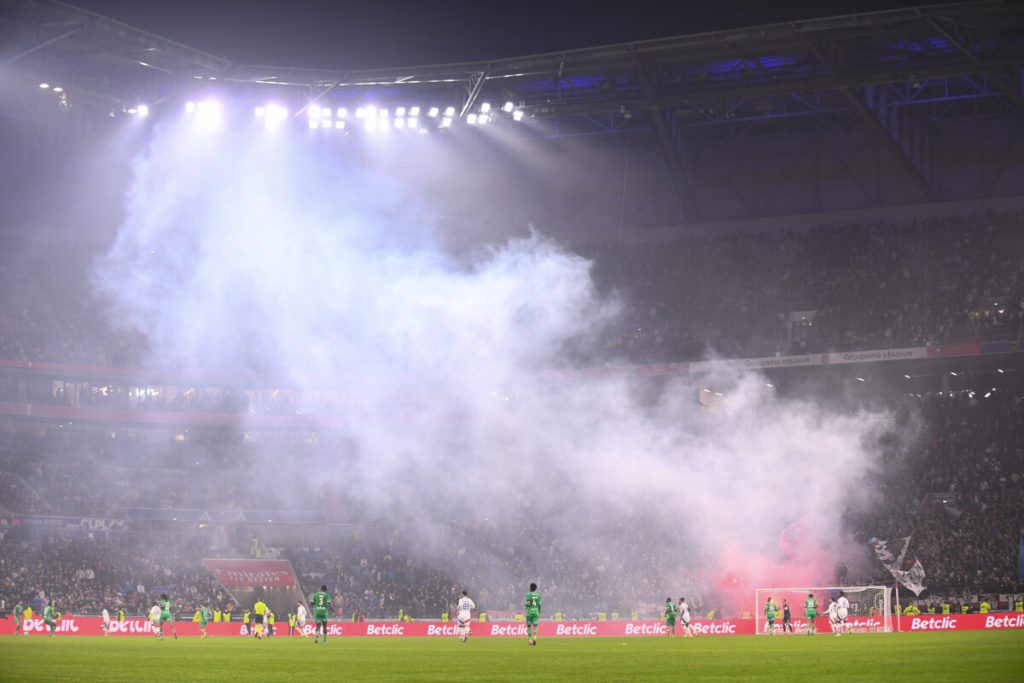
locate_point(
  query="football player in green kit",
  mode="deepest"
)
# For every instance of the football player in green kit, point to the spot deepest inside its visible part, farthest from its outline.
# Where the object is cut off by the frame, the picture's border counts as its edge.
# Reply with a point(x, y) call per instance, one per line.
point(165, 616)
point(532, 613)
point(769, 614)
point(670, 617)
point(811, 612)
point(321, 603)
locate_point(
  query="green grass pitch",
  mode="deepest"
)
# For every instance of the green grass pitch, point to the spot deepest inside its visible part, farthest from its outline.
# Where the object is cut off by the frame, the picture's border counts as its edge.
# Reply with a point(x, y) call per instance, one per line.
point(991, 657)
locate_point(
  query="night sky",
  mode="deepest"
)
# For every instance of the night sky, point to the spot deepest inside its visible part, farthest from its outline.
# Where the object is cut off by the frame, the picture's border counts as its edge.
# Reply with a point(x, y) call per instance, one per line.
point(386, 33)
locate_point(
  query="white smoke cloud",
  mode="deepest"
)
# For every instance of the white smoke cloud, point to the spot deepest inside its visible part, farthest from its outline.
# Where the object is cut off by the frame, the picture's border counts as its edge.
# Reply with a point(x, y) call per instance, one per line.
point(272, 259)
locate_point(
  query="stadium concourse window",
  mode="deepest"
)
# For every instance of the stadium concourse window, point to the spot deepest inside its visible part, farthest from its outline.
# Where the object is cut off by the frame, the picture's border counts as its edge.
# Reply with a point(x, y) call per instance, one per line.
point(111, 497)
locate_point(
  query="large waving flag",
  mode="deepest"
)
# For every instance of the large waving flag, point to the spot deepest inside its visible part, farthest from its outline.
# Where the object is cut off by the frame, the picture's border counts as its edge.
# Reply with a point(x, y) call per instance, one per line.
point(893, 556)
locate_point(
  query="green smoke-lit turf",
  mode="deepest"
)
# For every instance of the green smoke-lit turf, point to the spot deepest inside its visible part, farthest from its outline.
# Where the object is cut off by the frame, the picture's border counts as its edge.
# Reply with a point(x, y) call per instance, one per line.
point(913, 657)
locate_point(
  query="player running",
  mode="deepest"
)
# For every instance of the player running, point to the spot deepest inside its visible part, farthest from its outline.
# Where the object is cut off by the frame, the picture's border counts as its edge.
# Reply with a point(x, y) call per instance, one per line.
point(769, 615)
point(811, 613)
point(321, 604)
point(464, 615)
point(50, 617)
point(19, 617)
point(204, 619)
point(154, 619)
point(165, 616)
point(532, 613)
point(300, 619)
point(259, 611)
point(842, 611)
point(670, 617)
point(105, 623)
point(833, 616)
point(683, 610)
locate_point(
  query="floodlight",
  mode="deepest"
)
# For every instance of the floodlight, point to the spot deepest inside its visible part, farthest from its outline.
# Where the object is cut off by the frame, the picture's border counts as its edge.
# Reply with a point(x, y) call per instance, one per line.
point(44, 86)
point(313, 111)
point(509, 106)
point(260, 112)
point(517, 115)
point(314, 124)
point(58, 89)
point(449, 112)
point(383, 113)
point(342, 113)
point(414, 111)
point(399, 123)
point(413, 122)
point(471, 119)
point(190, 107)
point(340, 125)
point(485, 107)
point(446, 122)
point(483, 118)
point(433, 112)
point(400, 111)
point(360, 112)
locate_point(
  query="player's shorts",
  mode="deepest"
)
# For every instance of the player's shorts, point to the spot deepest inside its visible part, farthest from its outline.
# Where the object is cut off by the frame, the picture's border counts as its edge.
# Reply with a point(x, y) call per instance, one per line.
point(165, 616)
point(320, 615)
point(842, 614)
point(685, 621)
point(259, 618)
point(786, 619)
point(301, 623)
point(670, 621)
point(771, 620)
point(532, 618)
point(463, 617)
point(811, 615)
point(49, 622)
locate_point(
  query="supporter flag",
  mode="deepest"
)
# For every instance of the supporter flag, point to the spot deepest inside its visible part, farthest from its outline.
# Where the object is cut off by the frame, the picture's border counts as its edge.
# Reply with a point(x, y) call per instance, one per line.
point(893, 556)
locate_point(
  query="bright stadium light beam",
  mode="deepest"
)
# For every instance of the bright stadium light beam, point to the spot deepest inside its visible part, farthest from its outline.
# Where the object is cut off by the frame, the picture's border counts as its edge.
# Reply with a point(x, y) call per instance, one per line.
point(143, 109)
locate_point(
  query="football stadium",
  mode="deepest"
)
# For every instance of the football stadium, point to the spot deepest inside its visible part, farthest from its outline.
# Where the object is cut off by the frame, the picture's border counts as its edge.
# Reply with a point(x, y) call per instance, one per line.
point(445, 341)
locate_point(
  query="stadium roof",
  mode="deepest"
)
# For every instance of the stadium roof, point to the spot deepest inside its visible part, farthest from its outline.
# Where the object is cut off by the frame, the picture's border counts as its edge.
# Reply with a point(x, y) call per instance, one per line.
point(109, 59)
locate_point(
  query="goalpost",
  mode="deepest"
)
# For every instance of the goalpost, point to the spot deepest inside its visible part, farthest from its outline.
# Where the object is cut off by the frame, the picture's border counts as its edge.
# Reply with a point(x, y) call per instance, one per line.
point(870, 608)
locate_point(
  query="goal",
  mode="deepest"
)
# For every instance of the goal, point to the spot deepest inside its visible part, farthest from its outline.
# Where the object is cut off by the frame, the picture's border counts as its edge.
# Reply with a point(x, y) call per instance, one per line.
point(870, 608)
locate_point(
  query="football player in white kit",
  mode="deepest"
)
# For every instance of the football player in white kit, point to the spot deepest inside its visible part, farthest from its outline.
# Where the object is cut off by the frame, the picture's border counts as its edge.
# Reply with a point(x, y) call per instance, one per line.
point(833, 615)
point(154, 619)
point(684, 617)
point(300, 619)
point(464, 614)
point(105, 624)
point(842, 610)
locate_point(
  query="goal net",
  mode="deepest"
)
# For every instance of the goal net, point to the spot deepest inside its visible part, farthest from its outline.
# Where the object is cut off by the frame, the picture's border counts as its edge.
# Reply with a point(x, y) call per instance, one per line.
point(870, 609)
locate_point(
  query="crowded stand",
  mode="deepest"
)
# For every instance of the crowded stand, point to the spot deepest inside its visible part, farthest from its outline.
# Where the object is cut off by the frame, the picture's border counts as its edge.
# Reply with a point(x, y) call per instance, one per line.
point(958, 489)
point(836, 287)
